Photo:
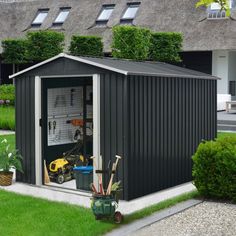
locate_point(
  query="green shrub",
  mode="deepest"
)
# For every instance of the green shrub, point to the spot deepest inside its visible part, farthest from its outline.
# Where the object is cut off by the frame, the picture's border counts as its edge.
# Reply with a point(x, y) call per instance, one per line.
point(14, 51)
point(165, 46)
point(131, 42)
point(214, 169)
point(44, 44)
point(7, 93)
point(86, 45)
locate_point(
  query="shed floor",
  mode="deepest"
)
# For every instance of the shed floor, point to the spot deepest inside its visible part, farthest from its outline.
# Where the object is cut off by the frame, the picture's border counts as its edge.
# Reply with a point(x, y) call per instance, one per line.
point(83, 198)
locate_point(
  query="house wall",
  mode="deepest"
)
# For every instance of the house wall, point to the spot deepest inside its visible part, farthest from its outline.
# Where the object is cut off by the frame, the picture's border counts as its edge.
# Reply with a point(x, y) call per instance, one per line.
point(220, 68)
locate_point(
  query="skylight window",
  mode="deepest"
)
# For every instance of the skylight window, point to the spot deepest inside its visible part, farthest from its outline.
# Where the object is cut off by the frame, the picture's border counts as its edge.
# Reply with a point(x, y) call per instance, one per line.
point(131, 11)
point(105, 13)
point(40, 17)
point(61, 17)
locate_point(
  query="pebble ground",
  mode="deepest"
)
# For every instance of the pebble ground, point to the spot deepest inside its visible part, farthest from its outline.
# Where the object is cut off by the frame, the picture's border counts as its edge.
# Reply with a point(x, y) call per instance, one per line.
point(205, 219)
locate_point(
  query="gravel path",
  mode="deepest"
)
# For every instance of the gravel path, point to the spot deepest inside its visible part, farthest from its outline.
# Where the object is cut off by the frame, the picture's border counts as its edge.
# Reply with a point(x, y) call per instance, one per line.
point(205, 219)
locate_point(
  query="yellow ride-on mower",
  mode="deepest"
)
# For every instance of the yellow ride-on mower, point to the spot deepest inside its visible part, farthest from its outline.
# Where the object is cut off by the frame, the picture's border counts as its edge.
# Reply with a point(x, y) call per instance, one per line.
point(61, 169)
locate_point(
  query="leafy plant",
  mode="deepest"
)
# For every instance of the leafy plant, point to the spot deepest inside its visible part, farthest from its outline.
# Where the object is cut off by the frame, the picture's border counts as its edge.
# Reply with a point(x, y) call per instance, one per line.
point(9, 159)
point(86, 45)
point(130, 42)
point(224, 4)
point(7, 94)
point(165, 46)
point(214, 169)
point(44, 44)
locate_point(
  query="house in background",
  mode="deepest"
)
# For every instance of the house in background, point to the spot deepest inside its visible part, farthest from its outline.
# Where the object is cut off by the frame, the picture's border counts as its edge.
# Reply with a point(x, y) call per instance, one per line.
point(209, 36)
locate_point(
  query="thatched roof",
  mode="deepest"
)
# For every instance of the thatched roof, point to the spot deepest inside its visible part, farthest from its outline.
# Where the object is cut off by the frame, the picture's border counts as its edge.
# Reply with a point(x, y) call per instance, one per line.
point(159, 15)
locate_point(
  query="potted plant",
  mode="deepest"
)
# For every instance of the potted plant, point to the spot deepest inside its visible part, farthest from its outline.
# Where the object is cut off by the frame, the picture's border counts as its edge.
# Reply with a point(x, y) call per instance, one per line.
point(8, 160)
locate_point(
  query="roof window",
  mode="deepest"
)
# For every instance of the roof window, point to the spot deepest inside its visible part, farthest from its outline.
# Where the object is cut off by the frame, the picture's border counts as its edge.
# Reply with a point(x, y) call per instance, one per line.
point(130, 12)
point(62, 15)
point(105, 13)
point(40, 17)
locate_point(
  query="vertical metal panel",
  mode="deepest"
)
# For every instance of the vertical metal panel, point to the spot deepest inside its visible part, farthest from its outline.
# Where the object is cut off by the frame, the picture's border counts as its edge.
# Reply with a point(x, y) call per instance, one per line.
point(168, 119)
point(114, 138)
point(25, 127)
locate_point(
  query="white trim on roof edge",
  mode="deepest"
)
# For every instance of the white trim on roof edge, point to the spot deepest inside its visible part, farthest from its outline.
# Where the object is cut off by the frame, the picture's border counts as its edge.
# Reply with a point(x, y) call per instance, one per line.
point(79, 59)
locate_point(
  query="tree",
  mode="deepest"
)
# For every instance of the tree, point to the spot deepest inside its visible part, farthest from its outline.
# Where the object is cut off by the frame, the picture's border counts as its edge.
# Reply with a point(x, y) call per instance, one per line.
point(131, 42)
point(224, 4)
point(44, 44)
point(86, 45)
point(14, 52)
point(165, 46)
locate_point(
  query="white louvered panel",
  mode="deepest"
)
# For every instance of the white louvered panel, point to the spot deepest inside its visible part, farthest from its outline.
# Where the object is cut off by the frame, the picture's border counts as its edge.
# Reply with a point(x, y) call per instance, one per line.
point(64, 104)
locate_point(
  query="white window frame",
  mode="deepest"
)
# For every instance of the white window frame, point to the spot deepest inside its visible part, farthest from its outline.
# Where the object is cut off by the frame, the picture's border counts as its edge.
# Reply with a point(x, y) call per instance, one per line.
point(40, 11)
point(63, 9)
point(130, 5)
point(104, 8)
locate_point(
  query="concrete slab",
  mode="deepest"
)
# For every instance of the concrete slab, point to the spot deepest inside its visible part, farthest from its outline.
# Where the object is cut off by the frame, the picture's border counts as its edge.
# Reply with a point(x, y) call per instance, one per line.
point(139, 224)
point(229, 116)
point(154, 198)
point(83, 198)
point(6, 132)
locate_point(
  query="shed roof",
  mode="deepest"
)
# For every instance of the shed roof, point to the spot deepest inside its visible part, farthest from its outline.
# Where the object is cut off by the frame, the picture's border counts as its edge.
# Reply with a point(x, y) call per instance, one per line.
point(128, 67)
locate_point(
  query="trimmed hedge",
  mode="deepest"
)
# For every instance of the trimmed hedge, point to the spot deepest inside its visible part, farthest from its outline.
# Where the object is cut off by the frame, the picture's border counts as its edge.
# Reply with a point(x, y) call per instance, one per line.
point(7, 94)
point(14, 51)
point(165, 46)
point(44, 44)
point(130, 42)
point(86, 45)
point(214, 169)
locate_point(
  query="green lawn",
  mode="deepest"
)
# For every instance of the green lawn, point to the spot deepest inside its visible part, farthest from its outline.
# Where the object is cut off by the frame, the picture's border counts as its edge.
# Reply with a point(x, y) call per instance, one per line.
point(10, 139)
point(7, 117)
point(226, 134)
point(24, 215)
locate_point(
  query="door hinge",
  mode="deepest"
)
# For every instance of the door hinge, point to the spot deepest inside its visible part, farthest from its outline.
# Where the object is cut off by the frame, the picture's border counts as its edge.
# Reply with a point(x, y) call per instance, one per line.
point(40, 122)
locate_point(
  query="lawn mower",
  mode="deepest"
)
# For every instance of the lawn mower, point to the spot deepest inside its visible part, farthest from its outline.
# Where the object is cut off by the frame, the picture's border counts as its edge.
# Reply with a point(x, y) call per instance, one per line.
point(61, 169)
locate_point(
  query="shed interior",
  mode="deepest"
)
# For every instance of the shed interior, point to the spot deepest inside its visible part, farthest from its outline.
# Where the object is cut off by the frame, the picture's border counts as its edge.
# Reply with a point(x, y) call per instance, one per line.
point(67, 118)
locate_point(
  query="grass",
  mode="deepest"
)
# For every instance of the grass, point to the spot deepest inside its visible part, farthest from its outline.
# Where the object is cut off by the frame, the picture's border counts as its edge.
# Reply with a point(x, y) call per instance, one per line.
point(160, 206)
point(24, 215)
point(7, 117)
point(10, 139)
point(226, 134)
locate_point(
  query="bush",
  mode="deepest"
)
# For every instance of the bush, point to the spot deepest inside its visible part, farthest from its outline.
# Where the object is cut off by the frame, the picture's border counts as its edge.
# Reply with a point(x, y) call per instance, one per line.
point(7, 94)
point(214, 169)
point(165, 46)
point(131, 42)
point(14, 51)
point(86, 45)
point(44, 44)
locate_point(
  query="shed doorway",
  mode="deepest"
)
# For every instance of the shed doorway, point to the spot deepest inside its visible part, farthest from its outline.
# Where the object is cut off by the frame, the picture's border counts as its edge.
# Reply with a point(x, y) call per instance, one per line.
point(67, 130)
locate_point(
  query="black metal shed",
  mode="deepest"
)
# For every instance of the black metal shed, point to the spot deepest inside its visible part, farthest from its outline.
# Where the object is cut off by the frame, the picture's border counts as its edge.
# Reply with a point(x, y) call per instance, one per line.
point(151, 113)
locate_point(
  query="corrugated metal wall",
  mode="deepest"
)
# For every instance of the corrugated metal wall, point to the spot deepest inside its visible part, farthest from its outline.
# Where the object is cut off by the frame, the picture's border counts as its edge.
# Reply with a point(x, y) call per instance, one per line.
point(25, 127)
point(114, 130)
point(168, 118)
